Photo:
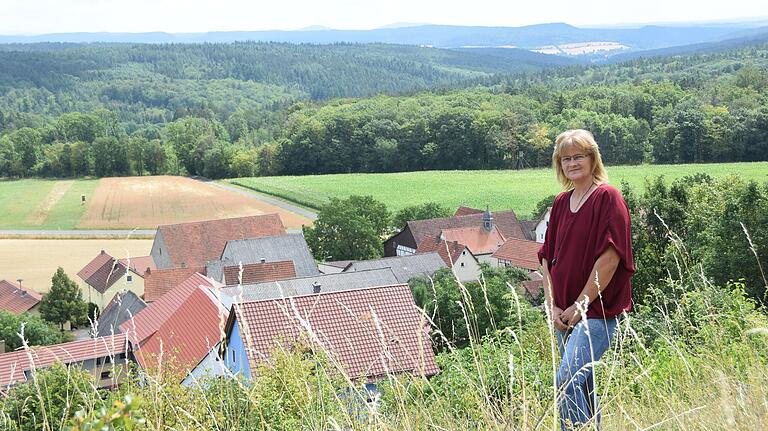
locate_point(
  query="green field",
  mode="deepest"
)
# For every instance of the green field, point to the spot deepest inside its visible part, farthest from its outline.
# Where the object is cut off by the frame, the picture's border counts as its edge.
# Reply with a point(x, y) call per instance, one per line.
point(36, 204)
point(517, 190)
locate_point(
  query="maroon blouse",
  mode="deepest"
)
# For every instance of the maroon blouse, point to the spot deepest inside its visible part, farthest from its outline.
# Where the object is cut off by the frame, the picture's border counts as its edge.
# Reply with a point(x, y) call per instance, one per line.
point(574, 241)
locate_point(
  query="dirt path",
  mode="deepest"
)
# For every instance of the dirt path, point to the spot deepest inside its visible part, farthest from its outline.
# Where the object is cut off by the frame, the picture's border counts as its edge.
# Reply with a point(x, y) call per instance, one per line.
point(40, 213)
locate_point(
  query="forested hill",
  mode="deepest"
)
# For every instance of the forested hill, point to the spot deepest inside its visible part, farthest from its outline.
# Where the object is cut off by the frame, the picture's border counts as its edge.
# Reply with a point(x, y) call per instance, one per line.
point(248, 109)
point(152, 74)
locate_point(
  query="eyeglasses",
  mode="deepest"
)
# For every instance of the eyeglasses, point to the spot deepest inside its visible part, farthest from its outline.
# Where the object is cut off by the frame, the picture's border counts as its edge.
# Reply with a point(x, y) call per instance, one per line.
point(576, 158)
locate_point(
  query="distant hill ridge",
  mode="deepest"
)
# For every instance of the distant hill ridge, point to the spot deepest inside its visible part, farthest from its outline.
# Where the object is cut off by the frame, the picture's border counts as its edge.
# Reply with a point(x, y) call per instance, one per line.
point(442, 36)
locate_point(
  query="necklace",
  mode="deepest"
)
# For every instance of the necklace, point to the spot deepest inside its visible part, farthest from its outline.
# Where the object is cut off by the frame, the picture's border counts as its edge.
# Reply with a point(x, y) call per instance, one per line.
point(578, 205)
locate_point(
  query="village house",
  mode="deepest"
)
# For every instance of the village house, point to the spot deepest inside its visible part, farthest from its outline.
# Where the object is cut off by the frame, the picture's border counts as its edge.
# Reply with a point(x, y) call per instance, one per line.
point(192, 245)
point(519, 253)
point(370, 332)
point(456, 256)
point(483, 232)
point(105, 358)
point(104, 276)
point(17, 299)
point(213, 364)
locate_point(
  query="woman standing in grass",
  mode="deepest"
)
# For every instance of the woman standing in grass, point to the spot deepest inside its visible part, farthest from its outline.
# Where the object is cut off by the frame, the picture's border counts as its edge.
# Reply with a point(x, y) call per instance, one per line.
point(587, 262)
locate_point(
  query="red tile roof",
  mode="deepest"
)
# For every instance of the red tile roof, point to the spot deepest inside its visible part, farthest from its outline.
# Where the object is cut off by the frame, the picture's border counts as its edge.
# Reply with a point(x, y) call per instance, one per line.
point(449, 251)
point(533, 287)
point(16, 298)
point(371, 332)
point(184, 339)
point(13, 364)
point(158, 282)
point(139, 264)
point(462, 211)
point(506, 221)
point(520, 253)
point(102, 272)
point(477, 239)
point(259, 272)
point(150, 319)
point(196, 243)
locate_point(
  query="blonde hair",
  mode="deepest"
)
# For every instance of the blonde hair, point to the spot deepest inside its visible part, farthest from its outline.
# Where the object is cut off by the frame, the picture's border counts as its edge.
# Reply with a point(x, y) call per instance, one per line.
point(584, 142)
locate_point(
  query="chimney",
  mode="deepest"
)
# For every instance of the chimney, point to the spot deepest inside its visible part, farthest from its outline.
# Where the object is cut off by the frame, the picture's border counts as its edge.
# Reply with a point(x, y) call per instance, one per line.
point(263, 260)
point(316, 287)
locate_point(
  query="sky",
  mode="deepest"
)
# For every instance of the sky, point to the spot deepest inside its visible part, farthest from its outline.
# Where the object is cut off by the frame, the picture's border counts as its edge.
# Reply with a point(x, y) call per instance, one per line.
point(29, 17)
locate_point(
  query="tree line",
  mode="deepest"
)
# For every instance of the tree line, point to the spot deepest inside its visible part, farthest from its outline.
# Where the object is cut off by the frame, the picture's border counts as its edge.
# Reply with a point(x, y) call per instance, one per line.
point(689, 109)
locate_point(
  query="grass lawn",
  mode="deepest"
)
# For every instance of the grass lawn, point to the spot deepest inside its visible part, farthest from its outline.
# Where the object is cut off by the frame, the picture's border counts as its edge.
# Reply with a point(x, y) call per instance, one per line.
point(518, 190)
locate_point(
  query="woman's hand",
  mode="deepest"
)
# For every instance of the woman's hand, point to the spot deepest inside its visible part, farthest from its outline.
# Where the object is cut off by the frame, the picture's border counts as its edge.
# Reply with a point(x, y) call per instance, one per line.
point(557, 313)
point(570, 316)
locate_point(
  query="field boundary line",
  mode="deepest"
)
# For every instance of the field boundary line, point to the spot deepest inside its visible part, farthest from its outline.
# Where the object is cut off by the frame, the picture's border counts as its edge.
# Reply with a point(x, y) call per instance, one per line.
point(303, 208)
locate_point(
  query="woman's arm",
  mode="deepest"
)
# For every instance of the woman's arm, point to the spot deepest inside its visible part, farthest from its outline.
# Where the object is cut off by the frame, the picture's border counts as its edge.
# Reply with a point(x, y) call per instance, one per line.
point(605, 266)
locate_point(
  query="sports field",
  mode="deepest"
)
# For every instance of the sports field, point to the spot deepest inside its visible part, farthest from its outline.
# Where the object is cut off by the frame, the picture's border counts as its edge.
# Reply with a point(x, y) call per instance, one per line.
point(35, 260)
point(517, 190)
point(124, 203)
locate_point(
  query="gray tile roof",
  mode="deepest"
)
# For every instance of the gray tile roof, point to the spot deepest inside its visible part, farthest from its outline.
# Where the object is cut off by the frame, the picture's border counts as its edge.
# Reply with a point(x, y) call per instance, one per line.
point(123, 307)
point(271, 248)
point(305, 286)
point(404, 267)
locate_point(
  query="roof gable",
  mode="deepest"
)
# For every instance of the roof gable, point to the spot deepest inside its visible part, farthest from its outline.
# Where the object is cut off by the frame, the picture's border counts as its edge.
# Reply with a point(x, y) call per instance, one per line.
point(123, 306)
point(370, 332)
point(449, 251)
point(102, 272)
point(187, 335)
point(17, 299)
point(150, 319)
point(193, 244)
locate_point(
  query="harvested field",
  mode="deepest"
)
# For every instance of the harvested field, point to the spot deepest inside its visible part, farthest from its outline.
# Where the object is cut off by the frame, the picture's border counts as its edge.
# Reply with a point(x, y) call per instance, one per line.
point(35, 260)
point(146, 202)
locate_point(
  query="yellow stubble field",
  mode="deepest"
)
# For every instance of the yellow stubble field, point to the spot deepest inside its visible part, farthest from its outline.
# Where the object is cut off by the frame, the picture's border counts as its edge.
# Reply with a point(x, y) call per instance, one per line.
point(35, 260)
point(146, 202)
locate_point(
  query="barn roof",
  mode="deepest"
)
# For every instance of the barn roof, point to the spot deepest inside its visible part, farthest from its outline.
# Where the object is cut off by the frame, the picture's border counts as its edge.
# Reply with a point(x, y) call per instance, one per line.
point(102, 272)
point(449, 251)
point(194, 244)
point(158, 282)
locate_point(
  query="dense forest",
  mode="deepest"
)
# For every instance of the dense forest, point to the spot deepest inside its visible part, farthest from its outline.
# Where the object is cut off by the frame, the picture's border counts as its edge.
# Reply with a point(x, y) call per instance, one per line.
point(243, 109)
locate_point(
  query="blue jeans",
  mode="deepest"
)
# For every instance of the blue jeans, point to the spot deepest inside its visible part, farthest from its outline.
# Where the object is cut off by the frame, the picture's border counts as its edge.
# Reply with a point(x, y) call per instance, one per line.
point(579, 347)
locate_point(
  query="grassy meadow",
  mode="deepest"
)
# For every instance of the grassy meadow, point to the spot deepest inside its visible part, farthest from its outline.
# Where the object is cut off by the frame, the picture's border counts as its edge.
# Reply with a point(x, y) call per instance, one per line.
point(517, 190)
point(43, 204)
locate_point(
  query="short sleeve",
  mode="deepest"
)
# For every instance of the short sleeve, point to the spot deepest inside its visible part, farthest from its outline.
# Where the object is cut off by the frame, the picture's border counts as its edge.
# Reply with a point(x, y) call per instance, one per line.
point(616, 229)
point(547, 250)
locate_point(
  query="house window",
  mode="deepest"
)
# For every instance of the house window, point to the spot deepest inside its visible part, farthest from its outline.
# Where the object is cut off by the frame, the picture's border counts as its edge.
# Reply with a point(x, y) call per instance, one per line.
point(130, 278)
point(404, 251)
point(106, 375)
point(234, 357)
point(462, 264)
